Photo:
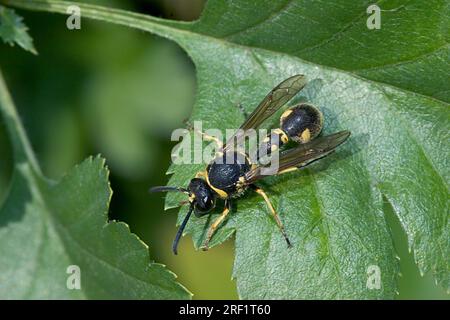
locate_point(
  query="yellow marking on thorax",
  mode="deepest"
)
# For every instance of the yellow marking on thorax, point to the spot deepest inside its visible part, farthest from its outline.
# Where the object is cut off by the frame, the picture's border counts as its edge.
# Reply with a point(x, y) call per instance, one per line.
point(241, 186)
point(241, 183)
point(222, 194)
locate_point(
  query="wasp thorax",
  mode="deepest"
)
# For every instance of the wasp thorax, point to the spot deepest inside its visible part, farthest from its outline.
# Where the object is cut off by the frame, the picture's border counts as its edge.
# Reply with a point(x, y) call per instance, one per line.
point(302, 122)
point(225, 171)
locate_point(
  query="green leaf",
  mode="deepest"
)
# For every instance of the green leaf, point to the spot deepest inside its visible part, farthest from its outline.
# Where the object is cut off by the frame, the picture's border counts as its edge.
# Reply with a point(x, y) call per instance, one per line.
point(13, 30)
point(47, 226)
point(388, 86)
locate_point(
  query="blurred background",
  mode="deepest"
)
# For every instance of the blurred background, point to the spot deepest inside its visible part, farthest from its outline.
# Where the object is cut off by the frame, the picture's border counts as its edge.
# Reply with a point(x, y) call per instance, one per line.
point(120, 92)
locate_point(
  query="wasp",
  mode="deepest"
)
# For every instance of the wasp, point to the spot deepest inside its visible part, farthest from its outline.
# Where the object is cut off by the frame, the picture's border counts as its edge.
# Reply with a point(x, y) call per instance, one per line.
point(229, 180)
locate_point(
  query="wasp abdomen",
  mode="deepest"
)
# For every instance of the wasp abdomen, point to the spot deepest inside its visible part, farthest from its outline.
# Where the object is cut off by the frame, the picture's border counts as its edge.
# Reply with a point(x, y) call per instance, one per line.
point(302, 122)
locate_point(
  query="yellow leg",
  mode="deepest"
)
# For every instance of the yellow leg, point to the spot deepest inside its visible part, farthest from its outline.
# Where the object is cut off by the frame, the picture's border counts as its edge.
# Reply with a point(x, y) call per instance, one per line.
point(207, 137)
point(201, 174)
point(274, 214)
point(215, 225)
point(287, 170)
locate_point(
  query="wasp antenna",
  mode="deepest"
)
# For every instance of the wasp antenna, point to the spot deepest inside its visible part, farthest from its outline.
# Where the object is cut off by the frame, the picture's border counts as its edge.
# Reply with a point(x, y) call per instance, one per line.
point(180, 230)
point(167, 189)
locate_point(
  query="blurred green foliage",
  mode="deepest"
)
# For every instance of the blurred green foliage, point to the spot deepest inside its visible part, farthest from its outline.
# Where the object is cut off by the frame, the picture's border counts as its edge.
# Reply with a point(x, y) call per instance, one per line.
point(119, 92)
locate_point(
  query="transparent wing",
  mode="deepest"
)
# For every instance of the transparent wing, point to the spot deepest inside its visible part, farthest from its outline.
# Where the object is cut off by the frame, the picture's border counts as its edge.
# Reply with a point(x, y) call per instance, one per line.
point(276, 98)
point(302, 155)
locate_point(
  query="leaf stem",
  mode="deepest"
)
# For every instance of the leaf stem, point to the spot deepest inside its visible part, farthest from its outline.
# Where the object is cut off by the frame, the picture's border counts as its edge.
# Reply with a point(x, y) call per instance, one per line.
point(22, 150)
point(130, 19)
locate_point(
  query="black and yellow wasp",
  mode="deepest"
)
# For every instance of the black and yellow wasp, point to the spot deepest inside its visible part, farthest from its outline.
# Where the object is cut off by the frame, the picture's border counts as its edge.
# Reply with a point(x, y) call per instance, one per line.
point(227, 179)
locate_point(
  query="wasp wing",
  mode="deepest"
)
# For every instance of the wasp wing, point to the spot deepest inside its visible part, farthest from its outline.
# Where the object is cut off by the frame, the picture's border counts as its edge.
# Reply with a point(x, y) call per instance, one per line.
point(302, 155)
point(276, 98)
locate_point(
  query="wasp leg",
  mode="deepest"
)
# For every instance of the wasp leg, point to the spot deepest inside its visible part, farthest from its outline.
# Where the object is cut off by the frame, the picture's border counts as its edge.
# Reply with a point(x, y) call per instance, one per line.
point(201, 174)
point(274, 213)
point(216, 224)
point(206, 136)
point(287, 170)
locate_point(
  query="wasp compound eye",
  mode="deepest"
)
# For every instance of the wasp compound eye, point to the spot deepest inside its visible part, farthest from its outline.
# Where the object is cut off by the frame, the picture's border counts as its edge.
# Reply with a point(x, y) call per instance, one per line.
point(302, 123)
